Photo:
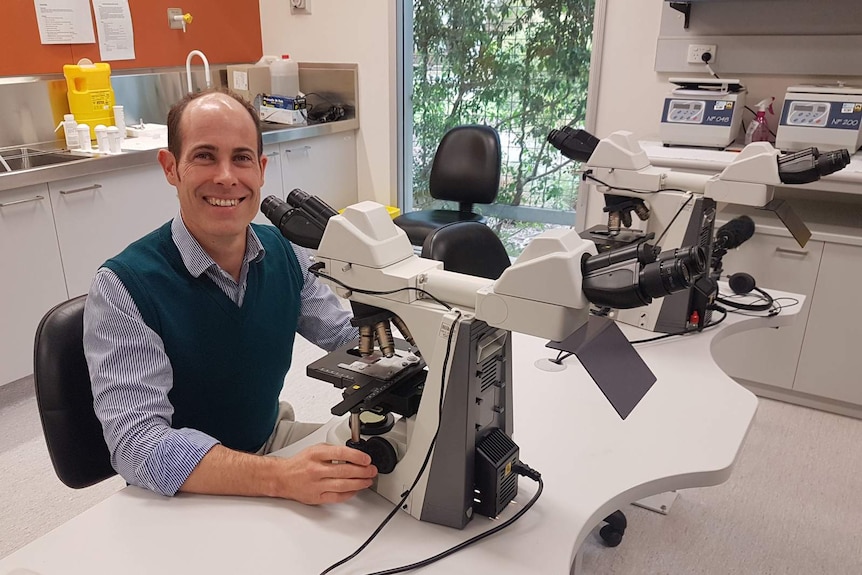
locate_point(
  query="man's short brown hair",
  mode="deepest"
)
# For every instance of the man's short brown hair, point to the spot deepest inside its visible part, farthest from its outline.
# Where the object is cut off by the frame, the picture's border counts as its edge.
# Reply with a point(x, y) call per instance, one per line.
point(175, 142)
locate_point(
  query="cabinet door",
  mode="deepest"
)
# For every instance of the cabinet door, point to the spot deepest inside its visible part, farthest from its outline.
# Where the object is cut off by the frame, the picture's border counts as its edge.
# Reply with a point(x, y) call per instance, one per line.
point(32, 275)
point(770, 356)
point(97, 216)
point(324, 166)
point(271, 179)
point(830, 364)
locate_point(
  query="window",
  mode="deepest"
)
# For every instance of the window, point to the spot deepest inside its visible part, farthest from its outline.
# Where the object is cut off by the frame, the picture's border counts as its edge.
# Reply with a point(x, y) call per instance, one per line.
point(521, 66)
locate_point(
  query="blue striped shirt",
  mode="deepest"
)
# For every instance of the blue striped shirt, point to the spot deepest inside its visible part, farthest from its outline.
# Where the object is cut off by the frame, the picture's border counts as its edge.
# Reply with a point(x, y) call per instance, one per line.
point(131, 374)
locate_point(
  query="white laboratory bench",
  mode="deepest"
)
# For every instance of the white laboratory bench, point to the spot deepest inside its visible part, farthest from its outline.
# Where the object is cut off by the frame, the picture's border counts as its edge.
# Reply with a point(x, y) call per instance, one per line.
point(686, 432)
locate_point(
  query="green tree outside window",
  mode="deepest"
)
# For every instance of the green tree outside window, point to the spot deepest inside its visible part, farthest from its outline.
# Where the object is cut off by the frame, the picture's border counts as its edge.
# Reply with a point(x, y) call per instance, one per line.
point(521, 66)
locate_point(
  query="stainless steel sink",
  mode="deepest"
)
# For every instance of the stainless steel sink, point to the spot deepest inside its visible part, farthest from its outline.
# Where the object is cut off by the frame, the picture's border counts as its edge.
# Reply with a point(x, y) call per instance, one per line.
point(27, 158)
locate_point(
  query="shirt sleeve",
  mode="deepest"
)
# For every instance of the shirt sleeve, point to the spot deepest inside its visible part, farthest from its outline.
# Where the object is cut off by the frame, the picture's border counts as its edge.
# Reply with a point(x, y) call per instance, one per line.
point(131, 376)
point(322, 319)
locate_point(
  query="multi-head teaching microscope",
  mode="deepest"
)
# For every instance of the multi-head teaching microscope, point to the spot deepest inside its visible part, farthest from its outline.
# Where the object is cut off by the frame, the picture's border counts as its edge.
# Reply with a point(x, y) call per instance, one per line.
point(434, 410)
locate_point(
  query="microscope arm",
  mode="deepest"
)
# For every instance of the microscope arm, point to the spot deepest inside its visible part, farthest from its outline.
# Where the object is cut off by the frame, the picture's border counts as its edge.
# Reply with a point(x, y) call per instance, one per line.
point(620, 162)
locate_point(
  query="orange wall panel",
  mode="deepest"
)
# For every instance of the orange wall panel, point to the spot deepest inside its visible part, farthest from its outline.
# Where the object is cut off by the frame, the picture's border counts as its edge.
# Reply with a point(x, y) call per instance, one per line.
point(225, 30)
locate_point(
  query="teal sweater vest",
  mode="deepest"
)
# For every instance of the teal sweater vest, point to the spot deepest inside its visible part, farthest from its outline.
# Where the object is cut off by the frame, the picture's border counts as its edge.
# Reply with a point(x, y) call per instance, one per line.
point(228, 362)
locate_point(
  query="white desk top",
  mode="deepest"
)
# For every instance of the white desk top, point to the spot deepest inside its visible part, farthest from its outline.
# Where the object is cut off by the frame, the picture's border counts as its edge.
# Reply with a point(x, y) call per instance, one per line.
point(686, 432)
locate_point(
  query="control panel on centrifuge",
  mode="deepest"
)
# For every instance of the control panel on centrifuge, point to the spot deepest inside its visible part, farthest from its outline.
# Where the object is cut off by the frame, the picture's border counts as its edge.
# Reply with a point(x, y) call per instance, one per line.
point(686, 111)
point(814, 114)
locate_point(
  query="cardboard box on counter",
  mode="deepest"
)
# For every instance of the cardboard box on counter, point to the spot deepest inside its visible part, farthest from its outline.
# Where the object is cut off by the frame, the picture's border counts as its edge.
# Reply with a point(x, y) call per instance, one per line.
point(283, 110)
point(249, 80)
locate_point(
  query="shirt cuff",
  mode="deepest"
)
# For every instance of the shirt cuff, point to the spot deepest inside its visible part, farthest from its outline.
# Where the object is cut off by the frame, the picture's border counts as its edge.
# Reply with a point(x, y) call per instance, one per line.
point(173, 459)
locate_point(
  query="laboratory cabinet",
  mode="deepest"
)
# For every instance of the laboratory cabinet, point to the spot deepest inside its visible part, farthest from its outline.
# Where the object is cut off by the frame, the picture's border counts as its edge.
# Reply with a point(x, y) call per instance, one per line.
point(97, 216)
point(32, 275)
point(770, 356)
point(812, 362)
point(323, 166)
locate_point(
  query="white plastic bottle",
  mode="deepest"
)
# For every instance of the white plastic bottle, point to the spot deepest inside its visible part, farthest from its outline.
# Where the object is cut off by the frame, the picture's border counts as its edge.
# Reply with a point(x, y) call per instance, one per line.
point(70, 130)
point(284, 75)
point(84, 141)
point(120, 121)
point(102, 138)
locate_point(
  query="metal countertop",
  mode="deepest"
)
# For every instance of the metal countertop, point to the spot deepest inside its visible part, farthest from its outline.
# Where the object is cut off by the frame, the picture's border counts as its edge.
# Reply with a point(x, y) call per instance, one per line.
point(272, 134)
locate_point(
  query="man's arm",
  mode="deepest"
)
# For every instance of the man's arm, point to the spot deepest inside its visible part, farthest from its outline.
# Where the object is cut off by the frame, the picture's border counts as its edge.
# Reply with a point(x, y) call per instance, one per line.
point(322, 319)
point(131, 377)
point(310, 476)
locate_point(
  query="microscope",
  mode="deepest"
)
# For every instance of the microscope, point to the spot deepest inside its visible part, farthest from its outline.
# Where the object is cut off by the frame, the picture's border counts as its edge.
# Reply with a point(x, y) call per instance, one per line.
point(680, 208)
point(434, 407)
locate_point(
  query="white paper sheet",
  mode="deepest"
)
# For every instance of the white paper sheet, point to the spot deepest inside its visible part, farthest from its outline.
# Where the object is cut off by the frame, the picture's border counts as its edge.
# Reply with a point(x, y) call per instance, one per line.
point(114, 24)
point(64, 21)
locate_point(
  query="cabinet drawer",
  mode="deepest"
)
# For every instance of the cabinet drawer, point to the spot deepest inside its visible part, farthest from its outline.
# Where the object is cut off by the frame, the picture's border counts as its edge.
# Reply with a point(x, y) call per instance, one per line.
point(771, 356)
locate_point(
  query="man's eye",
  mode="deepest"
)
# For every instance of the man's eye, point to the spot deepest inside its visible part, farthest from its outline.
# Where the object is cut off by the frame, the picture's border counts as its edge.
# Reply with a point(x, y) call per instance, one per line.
point(244, 158)
point(203, 156)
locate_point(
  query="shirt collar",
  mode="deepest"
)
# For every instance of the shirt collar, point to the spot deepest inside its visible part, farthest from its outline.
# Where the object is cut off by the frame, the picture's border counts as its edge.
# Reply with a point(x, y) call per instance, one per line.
point(196, 259)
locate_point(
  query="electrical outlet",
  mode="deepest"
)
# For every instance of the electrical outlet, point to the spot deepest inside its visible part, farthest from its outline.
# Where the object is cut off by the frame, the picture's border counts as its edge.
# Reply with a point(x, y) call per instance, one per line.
point(696, 52)
point(300, 6)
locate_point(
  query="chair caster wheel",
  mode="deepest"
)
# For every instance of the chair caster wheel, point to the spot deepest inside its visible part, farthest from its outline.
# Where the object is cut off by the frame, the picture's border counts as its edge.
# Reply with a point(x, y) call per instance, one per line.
point(610, 536)
point(612, 533)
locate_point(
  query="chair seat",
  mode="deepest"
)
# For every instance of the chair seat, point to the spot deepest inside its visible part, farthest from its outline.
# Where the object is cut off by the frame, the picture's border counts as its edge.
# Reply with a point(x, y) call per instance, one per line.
point(421, 223)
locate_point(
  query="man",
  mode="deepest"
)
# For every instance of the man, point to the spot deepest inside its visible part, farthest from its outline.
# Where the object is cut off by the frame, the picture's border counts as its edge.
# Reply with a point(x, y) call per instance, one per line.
point(188, 332)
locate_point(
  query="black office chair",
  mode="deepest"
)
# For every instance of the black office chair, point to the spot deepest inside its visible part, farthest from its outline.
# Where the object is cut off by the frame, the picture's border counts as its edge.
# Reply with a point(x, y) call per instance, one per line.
point(466, 169)
point(469, 248)
point(72, 430)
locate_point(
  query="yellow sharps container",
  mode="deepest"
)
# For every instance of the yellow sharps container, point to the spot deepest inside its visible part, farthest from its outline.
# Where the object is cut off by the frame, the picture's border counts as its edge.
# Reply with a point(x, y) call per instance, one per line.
point(91, 97)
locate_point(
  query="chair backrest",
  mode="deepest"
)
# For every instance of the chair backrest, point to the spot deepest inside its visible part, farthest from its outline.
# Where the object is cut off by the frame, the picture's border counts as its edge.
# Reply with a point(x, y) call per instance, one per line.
point(469, 248)
point(466, 167)
point(72, 430)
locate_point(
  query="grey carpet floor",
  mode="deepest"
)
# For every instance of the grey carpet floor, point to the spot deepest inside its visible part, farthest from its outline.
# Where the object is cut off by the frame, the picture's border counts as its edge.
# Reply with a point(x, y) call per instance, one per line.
point(792, 506)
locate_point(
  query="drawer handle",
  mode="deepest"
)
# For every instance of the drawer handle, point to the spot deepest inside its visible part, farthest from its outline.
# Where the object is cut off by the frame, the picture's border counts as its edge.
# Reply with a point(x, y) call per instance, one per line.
point(789, 252)
point(79, 190)
point(289, 150)
point(33, 199)
point(271, 154)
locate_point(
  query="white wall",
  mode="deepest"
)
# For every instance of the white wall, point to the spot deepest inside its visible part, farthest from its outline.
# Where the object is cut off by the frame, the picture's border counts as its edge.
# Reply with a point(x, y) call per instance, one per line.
point(361, 32)
point(630, 92)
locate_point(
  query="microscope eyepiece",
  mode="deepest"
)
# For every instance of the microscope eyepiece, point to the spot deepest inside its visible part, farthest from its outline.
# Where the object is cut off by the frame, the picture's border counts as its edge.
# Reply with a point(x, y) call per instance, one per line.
point(810, 164)
point(633, 276)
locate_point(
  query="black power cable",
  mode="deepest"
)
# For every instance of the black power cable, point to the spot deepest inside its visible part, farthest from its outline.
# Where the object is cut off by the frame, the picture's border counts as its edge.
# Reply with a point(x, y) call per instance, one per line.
point(521, 469)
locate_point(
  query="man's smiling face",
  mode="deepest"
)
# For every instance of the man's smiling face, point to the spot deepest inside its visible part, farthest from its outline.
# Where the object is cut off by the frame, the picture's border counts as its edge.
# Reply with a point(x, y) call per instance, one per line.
point(218, 174)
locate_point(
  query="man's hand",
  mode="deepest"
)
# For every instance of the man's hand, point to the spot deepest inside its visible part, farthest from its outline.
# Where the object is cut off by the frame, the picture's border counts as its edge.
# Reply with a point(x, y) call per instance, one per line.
point(318, 474)
point(326, 474)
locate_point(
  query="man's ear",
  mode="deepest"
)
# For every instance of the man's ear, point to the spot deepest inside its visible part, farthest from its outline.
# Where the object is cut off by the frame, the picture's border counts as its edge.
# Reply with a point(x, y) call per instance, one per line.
point(169, 165)
point(263, 160)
